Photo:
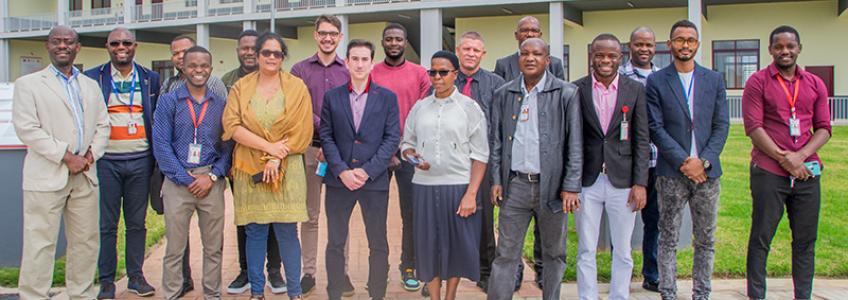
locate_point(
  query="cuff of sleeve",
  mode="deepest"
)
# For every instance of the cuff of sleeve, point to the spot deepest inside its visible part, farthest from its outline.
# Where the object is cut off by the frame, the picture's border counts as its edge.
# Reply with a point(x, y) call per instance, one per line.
point(61, 154)
point(184, 179)
point(481, 158)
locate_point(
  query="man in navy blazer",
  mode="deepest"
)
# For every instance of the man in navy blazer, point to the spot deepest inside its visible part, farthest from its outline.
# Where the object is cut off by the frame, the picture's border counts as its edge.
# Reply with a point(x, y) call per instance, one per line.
point(125, 171)
point(689, 123)
point(359, 133)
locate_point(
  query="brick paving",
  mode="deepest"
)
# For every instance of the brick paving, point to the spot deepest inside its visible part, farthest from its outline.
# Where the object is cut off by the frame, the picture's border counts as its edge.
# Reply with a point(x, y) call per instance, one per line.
point(358, 269)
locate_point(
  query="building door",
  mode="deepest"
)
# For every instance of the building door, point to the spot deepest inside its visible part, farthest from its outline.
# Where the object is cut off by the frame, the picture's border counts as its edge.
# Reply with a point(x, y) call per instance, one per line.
point(165, 68)
point(826, 74)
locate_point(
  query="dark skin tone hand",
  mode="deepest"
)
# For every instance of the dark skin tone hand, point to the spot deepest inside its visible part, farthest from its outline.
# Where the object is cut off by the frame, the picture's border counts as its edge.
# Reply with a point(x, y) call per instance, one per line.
point(201, 186)
point(693, 168)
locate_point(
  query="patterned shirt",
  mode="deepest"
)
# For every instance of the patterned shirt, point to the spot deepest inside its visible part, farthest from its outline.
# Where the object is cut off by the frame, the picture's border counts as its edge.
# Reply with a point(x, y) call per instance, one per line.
point(173, 131)
point(628, 70)
point(125, 108)
point(73, 91)
point(175, 82)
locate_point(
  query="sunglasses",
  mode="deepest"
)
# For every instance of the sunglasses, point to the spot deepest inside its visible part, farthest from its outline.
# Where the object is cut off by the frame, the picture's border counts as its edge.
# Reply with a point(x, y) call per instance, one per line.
point(268, 53)
point(125, 43)
point(441, 73)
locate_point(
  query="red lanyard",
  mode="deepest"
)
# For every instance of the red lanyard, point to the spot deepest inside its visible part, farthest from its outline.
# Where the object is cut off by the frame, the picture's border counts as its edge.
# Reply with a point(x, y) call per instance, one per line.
point(789, 98)
point(194, 119)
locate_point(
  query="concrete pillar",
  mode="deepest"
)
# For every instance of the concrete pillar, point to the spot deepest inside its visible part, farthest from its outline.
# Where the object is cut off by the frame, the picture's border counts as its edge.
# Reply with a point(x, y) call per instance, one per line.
point(203, 35)
point(129, 9)
point(249, 8)
point(5, 60)
point(202, 8)
point(695, 14)
point(62, 9)
point(341, 50)
point(556, 31)
point(431, 34)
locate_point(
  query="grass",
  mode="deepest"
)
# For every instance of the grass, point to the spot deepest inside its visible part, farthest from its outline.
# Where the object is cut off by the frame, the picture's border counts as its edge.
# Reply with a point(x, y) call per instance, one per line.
point(734, 220)
point(155, 232)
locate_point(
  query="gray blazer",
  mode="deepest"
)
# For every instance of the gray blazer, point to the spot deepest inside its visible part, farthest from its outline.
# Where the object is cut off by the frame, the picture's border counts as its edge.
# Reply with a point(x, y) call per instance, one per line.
point(626, 161)
point(560, 134)
point(507, 67)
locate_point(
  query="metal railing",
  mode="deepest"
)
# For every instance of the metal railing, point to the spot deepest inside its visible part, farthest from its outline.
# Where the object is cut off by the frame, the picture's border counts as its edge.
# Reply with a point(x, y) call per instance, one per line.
point(838, 109)
point(30, 23)
point(283, 5)
point(95, 17)
point(171, 10)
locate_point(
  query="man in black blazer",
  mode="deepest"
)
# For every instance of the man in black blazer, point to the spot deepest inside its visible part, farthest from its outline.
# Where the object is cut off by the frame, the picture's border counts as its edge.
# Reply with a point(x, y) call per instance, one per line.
point(359, 132)
point(615, 166)
point(688, 113)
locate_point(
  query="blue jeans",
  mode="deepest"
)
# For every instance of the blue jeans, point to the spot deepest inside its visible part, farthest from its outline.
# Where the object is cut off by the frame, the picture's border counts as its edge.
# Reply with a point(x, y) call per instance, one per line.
point(650, 218)
point(257, 247)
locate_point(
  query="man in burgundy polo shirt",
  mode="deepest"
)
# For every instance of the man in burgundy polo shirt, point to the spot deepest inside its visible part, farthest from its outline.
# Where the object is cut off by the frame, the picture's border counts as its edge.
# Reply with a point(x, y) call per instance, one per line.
point(787, 116)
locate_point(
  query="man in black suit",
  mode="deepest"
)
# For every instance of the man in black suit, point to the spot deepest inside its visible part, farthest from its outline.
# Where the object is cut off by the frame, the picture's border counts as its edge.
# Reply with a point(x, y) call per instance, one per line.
point(615, 166)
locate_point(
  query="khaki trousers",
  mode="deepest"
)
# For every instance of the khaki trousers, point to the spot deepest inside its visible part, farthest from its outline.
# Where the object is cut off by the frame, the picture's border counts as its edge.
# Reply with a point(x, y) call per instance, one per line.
point(309, 229)
point(78, 203)
point(180, 205)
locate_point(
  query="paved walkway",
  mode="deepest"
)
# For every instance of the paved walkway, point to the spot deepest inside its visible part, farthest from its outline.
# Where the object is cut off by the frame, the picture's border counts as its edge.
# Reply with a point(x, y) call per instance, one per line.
point(722, 289)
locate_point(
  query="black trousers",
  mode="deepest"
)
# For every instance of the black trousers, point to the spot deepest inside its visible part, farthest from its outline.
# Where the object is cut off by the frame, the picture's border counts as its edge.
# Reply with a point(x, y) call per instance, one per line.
point(770, 193)
point(339, 205)
point(487, 238)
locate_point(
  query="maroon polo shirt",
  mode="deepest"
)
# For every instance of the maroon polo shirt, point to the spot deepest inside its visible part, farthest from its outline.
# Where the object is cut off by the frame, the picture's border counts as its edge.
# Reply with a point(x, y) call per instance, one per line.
point(319, 79)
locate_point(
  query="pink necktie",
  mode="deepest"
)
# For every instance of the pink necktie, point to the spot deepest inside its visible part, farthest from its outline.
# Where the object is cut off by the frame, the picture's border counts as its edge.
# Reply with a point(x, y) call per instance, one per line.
point(466, 90)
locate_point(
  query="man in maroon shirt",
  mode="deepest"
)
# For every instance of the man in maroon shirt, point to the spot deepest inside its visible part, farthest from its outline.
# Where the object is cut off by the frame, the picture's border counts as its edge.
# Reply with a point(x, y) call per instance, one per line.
point(787, 116)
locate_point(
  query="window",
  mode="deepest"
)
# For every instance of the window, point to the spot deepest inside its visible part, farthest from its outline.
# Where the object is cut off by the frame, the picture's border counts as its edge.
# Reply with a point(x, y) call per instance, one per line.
point(736, 60)
point(190, 3)
point(165, 68)
point(101, 4)
point(75, 5)
point(662, 55)
point(565, 62)
point(229, 1)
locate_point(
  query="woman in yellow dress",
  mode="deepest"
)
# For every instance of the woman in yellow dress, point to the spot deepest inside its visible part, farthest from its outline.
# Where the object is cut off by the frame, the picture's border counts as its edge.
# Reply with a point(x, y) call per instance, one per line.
point(269, 115)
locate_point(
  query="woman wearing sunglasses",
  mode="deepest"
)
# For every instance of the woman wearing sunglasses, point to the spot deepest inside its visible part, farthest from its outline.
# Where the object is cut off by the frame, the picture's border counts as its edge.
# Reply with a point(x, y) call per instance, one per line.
point(269, 115)
point(445, 138)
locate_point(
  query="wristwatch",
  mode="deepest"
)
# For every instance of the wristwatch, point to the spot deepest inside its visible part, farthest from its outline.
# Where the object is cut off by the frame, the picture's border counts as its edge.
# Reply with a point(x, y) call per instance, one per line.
point(707, 164)
point(213, 177)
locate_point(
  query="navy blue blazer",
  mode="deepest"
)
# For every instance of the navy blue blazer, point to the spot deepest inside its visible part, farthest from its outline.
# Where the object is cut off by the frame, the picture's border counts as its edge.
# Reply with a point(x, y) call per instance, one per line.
point(671, 125)
point(149, 90)
point(371, 147)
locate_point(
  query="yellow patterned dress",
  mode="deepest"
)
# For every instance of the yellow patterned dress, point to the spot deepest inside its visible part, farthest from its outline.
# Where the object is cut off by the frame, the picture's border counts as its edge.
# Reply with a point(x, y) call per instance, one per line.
point(256, 203)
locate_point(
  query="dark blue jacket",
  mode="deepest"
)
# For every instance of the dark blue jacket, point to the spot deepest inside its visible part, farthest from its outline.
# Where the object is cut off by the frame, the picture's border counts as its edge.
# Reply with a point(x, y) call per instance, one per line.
point(149, 91)
point(371, 147)
point(671, 126)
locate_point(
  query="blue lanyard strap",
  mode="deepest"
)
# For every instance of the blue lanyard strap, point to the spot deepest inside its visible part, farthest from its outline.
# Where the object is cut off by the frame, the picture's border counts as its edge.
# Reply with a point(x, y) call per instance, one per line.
point(132, 89)
point(687, 92)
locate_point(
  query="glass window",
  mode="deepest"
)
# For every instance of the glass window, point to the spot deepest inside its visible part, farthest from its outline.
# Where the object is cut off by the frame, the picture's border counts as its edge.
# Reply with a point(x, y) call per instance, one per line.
point(565, 61)
point(736, 61)
point(100, 4)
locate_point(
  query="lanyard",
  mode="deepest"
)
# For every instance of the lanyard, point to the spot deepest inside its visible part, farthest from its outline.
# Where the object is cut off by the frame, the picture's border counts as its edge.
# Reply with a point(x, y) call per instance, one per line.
point(688, 92)
point(132, 90)
point(790, 99)
point(196, 122)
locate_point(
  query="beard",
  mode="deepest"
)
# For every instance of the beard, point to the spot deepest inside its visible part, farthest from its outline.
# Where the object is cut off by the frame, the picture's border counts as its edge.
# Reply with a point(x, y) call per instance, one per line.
point(394, 57)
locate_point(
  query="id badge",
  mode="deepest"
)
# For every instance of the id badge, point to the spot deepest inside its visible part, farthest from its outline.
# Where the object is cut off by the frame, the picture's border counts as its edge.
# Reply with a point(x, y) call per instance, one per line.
point(132, 128)
point(194, 153)
point(321, 170)
point(794, 126)
point(525, 113)
point(625, 130)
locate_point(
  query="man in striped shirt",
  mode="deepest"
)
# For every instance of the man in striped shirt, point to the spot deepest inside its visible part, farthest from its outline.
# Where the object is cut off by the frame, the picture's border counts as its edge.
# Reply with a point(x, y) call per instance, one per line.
point(130, 91)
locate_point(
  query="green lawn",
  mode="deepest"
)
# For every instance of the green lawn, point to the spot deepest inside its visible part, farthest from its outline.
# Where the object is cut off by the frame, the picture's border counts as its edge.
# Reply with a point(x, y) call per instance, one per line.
point(734, 220)
point(155, 232)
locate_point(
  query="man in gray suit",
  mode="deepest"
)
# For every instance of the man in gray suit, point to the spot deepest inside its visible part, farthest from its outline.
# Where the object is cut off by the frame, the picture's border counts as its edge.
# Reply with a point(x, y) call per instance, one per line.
point(507, 67)
point(532, 108)
point(60, 115)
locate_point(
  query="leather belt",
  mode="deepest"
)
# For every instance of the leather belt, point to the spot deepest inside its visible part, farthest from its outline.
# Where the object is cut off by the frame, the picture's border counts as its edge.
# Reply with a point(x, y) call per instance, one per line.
point(316, 143)
point(533, 178)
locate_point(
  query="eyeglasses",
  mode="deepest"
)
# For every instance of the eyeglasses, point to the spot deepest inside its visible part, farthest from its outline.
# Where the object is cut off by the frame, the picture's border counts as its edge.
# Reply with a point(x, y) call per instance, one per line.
point(126, 43)
point(679, 42)
point(268, 53)
point(441, 73)
point(332, 34)
point(59, 41)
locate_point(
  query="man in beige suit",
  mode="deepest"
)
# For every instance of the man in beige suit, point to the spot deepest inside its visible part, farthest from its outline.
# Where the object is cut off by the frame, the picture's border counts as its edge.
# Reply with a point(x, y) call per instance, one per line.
point(61, 117)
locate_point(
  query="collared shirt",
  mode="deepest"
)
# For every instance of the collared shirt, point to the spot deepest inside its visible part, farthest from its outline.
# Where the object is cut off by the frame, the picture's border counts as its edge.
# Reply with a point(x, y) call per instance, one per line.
point(176, 82)
point(525, 146)
point(357, 102)
point(319, 79)
point(74, 93)
point(686, 82)
point(232, 77)
point(483, 86)
point(122, 114)
point(764, 105)
point(628, 70)
point(448, 133)
point(408, 81)
point(173, 131)
point(604, 99)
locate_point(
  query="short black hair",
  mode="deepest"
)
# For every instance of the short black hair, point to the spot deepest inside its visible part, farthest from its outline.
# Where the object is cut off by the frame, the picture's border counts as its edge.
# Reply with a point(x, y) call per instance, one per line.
point(784, 29)
point(265, 37)
point(393, 25)
point(447, 55)
point(683, 24)
point(360, 43)
point(184, 37)
point(249, 32)
point(606, 37)
point(197, 49)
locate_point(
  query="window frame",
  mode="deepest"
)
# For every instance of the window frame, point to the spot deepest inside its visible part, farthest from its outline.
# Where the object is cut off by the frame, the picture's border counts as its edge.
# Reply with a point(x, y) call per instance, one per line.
point(736, 64)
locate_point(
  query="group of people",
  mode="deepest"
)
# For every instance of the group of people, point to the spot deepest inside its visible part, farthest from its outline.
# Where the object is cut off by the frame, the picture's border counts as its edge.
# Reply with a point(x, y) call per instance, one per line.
point(458, 140)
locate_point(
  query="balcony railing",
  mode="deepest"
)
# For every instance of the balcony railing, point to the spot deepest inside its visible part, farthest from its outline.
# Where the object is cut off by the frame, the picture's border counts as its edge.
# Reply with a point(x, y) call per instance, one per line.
point(30, 23)
point(283, 5)
point(224, 8)
point(838, 109)
point(95, 17)
point(172, 10)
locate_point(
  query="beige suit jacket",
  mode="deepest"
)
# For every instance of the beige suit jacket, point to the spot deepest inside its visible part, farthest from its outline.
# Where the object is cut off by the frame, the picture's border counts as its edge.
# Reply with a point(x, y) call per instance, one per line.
point(44, 122)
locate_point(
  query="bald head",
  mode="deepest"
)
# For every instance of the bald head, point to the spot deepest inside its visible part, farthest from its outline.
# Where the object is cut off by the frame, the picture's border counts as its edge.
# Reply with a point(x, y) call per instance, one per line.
point(62, 46)
point(535, 43)
point(528, 27)
point(62, 30)
point(121, 45)
point(643, 46)
point(533, 58)
point(642, 31)
point(121, 31)
point(531, 20)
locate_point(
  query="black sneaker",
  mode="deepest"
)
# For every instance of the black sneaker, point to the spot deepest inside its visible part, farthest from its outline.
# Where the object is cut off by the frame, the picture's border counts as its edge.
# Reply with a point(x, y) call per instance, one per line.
point(239, 285)
point(425, 292)
point(653, 286)
point(483, 284)
point(539, 283)
point(188, 286)
point(348, 290)
point(408, 280)
point(139, 286)
point(107, 291)
point(277, 283)
point(307, 284)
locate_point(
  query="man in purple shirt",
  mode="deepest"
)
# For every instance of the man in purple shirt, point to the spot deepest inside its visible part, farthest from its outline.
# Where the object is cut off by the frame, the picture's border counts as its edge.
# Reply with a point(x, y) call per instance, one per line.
point(321, 72)
point(787, 116)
